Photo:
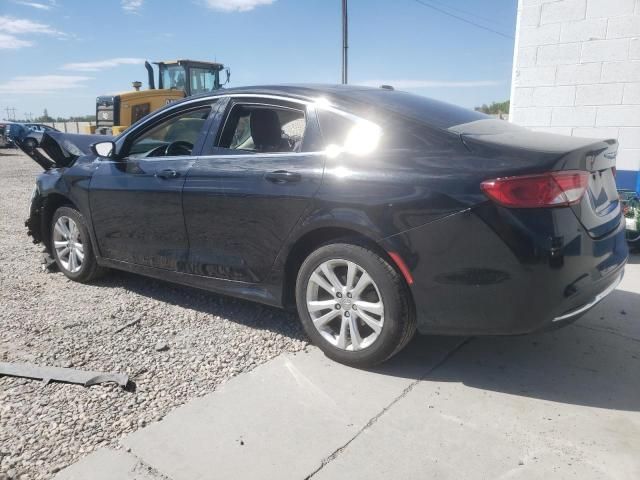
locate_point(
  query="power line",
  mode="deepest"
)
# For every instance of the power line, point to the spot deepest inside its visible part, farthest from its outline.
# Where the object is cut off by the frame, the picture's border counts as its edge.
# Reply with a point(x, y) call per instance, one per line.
point(345, 46)
point(433, 7)
point(466, 12)
point(11, 113)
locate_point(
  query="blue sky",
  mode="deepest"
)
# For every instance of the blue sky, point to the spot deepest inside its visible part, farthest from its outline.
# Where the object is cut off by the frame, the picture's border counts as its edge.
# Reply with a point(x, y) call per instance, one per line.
point(60, 54)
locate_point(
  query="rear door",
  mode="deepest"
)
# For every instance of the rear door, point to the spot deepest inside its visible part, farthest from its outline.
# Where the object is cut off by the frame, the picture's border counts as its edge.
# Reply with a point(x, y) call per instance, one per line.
point(256, 177)
point(136, 201)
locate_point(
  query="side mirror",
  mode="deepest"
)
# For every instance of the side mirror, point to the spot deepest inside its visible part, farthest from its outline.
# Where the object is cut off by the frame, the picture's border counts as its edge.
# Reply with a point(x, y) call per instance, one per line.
point(228, 72)
point(104, 149)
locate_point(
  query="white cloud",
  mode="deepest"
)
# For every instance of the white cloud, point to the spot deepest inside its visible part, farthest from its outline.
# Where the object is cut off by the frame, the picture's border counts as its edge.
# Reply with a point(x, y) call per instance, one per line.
point(23, 26)
point(10, 42)
point(98, 65)
point(38, 5)
point(414, 84)
point(42, 84)
point(131, 6)
point(12, 28)
point(236, 5)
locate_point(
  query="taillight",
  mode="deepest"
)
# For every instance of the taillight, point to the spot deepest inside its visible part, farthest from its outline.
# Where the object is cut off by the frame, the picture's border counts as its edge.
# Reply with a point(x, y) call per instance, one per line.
point(552, 189)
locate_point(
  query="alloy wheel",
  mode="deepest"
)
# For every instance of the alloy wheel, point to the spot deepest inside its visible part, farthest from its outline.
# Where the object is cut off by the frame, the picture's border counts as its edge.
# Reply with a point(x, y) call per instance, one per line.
point(68, 244)
point(345, 304)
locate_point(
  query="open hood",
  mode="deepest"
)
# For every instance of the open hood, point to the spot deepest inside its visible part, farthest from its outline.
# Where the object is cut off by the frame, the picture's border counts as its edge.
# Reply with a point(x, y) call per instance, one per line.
point(59, 149)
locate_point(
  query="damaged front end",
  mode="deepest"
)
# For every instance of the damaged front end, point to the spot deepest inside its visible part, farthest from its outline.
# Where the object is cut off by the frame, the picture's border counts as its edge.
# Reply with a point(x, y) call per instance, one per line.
point(56, 153)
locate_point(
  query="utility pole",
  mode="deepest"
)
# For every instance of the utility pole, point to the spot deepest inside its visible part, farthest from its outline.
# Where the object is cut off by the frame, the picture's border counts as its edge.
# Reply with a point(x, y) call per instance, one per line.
point(345, 46)
point(11, 113)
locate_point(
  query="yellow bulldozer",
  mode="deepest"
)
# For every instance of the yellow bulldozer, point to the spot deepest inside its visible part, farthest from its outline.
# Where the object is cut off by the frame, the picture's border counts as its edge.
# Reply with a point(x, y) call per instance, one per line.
point(176, 79)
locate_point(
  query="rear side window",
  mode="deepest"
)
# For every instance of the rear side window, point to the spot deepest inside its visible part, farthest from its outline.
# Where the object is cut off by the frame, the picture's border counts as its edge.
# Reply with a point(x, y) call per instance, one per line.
point(333, 127)
point(263, 129)
point(433, 113)
point(405, 135)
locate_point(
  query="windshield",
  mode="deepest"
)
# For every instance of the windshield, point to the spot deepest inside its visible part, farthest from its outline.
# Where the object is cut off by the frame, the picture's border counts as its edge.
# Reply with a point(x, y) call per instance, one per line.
point(173, 76)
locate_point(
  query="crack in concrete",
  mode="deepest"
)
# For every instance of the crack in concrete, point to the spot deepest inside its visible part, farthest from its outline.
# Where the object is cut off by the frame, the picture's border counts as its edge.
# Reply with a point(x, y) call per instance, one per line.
point(147, 470)
point(143, 470)
point(330, 458)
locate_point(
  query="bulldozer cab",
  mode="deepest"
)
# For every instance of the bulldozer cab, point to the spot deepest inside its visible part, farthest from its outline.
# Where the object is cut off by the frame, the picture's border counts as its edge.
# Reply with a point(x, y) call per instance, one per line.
point(192, 77)
point(176, 79)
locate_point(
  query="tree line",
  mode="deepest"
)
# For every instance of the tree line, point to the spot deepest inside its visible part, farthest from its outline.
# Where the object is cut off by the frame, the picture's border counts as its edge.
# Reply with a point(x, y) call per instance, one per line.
point(495, 108)
point(46, 118)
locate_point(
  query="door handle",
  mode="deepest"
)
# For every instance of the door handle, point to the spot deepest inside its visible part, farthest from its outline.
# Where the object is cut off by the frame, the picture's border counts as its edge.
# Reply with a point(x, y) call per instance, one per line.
point(167, 173)
point(283, 176)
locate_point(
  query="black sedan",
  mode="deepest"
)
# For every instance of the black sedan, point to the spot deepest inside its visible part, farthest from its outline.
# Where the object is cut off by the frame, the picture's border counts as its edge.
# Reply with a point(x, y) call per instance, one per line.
point(374, 212)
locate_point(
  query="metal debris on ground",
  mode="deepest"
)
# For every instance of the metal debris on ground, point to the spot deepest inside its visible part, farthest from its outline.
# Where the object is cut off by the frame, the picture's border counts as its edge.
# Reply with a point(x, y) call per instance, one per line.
point(127, 325)
point(66, 375)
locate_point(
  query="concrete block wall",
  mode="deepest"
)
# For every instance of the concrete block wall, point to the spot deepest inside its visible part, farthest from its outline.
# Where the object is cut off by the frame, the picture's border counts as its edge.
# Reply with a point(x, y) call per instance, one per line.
point(576, 71)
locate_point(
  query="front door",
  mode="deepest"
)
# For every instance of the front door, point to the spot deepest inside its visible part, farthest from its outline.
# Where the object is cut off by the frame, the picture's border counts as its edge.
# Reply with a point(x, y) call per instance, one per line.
point(245, 194)
point(136, 201)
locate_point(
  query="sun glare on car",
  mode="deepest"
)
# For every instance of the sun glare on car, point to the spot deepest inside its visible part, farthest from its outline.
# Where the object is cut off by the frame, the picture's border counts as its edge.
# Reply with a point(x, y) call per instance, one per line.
point(363, 138)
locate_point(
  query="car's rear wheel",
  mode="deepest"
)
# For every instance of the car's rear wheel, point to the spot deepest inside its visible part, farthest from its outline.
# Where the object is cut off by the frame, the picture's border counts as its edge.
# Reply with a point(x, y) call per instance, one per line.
point(354, 305)
point(71, 246)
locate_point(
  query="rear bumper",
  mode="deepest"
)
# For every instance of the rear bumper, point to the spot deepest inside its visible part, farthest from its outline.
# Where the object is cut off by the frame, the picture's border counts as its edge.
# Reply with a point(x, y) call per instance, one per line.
point(576, 313)
point(491, 271)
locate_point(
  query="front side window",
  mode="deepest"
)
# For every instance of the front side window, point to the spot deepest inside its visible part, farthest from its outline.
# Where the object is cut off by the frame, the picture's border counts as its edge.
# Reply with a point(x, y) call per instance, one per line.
point(172, 137)
point(263, 129)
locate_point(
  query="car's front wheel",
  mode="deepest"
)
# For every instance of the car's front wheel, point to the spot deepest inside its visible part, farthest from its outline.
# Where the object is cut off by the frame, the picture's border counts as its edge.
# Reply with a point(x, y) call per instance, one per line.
point(354, 305)
point(71, 246)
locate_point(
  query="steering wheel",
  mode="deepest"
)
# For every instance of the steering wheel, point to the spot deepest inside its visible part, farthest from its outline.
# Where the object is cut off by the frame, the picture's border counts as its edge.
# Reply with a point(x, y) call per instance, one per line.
point(179, 147)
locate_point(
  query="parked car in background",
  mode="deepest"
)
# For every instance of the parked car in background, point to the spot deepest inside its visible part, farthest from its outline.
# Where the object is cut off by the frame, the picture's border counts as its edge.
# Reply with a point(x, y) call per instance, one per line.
point(631, 212)
point(14, 132)
point(6, 139)
point(33, 134)
point(374, 212)
point(3, 138)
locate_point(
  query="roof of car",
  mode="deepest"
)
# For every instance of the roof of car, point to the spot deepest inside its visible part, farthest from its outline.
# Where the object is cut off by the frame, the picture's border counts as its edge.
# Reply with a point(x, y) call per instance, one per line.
point(368, 100)
point(306, 91)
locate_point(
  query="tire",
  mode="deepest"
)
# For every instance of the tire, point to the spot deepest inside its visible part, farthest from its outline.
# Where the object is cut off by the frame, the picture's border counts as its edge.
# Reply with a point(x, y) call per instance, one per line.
point(30, 143)
point(387, 298)
point(85, 268)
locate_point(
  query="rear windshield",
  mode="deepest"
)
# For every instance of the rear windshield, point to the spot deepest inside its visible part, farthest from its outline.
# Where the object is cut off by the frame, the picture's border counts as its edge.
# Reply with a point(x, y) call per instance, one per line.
point(426, 110)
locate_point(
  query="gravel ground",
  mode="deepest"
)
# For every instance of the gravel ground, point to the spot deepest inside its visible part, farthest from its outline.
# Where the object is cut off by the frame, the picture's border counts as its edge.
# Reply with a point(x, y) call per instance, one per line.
point(186, 343)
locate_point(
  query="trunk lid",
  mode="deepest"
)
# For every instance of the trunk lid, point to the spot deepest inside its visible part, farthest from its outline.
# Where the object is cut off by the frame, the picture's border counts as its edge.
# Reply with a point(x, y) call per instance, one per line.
point(523, 151)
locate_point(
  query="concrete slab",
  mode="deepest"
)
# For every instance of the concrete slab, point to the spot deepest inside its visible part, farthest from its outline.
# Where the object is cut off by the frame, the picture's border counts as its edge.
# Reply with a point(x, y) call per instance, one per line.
point(108, 464)
point(563, 404)
point(619, 313)
point(280, 420)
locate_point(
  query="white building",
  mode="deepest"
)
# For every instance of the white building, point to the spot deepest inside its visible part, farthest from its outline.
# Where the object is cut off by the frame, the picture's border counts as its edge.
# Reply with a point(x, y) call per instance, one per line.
point(576, 71)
